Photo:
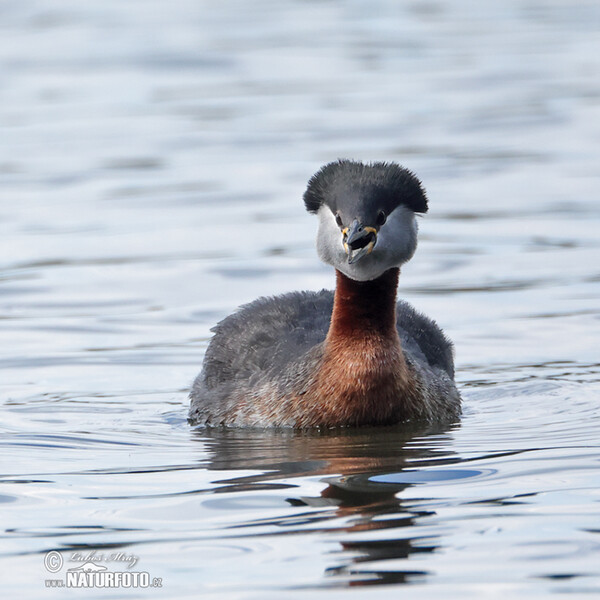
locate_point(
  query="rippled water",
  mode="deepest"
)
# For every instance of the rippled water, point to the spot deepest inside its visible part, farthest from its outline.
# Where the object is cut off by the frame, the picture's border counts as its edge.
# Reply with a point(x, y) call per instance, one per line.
point(152, 161)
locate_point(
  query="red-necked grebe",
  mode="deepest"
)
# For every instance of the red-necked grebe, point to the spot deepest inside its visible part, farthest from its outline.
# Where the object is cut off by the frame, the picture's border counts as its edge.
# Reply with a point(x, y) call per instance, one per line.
point(345, 358)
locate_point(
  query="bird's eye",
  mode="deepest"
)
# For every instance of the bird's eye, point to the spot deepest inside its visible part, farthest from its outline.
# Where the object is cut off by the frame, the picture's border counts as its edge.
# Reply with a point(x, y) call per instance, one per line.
point(338, 219)
point(381, 218)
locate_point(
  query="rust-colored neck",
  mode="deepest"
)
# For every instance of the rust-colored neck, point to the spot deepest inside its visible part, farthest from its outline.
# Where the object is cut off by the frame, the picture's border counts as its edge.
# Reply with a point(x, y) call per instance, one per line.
point(364, 307)
point(363, 377)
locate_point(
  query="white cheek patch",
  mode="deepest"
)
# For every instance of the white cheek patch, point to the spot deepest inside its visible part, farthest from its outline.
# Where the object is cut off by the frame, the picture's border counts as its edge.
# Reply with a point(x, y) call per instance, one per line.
point(330, 245)
point(397, 239)
point(396, 243)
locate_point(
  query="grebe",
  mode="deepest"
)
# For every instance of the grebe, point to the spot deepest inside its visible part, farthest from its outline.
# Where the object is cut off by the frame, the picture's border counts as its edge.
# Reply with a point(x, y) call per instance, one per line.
point(346, 358)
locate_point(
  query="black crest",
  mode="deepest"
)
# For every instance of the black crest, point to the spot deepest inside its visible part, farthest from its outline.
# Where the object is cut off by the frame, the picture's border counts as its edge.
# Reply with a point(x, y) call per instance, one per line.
point(348, 185)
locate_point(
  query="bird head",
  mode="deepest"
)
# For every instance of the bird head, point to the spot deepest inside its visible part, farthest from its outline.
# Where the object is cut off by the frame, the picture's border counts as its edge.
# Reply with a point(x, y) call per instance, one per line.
point(366, 216)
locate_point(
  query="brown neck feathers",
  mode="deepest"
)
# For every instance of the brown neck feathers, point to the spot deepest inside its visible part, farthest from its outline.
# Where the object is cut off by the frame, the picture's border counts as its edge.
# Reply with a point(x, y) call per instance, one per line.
point(361, 307)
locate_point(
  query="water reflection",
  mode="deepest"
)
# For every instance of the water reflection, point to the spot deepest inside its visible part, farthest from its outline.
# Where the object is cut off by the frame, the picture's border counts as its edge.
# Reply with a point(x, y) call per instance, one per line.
point(361, 474)
point(339, 451)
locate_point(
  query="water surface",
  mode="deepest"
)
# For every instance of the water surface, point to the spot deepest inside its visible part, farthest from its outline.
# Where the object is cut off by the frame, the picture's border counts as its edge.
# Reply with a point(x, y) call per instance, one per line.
point(152, 163)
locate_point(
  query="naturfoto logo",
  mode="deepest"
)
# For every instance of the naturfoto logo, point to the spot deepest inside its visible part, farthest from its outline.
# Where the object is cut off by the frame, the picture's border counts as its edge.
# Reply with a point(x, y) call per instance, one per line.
point(91, 573)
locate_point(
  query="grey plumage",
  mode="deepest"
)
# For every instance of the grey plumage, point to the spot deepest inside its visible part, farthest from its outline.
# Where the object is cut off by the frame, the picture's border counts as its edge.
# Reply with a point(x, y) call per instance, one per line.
point(259, 342)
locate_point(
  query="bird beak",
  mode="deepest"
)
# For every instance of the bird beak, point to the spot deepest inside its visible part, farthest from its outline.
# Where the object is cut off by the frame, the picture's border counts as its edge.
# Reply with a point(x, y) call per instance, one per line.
point(358, 240)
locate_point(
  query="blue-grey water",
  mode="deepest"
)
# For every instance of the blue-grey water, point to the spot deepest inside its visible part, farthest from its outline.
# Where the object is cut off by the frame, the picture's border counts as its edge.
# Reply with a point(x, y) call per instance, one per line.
point(153, 157)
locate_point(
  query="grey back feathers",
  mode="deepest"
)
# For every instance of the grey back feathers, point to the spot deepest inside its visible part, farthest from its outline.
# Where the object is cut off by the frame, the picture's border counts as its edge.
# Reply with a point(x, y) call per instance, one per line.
point(265, 335)
point(269, 333)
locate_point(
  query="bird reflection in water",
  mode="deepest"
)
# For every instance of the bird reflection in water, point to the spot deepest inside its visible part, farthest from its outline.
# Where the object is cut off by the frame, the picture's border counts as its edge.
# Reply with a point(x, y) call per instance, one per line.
point(350, 501)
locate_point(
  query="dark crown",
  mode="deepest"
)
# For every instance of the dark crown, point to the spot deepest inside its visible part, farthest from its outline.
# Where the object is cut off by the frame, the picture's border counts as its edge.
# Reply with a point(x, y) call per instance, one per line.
point(345, 181)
